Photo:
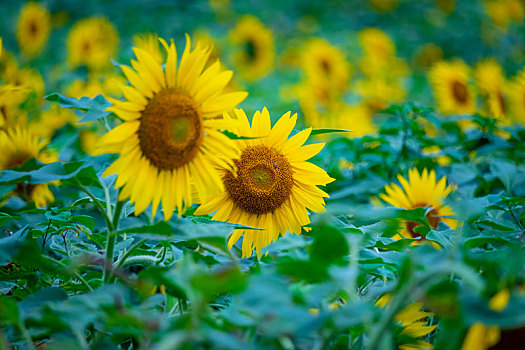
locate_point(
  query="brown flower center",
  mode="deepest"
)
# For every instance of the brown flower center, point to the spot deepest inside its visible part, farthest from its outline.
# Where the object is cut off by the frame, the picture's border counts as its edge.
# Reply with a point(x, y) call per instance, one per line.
point(250, 48)
point(17, 159)
point(33, 28)
point(502, 103)
point(171, 129)
point(264, 180)
point(432, 217)
point(460, 92)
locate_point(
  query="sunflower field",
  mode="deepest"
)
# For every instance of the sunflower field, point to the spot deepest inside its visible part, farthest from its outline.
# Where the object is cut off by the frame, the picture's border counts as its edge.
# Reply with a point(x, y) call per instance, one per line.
point(243, 174)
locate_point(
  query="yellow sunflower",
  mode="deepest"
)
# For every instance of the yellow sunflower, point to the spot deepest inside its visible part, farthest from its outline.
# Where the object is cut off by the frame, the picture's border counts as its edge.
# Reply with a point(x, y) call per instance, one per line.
point(273, 184)
point(428, 55)
point(452, 91)
point(33, 28)
point(414, 322)
point(484, 337)
point(420, 191)
point(255, 52)
point(325, 68)
point(516, 93)
point(377, 93)
point(491, 82)
point(91, 42)
point(18, 146)
point(169, 131)
point(503, 12)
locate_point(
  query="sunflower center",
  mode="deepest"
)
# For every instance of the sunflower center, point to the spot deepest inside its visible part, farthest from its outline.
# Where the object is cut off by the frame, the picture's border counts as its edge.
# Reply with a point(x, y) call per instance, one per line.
point(264, 180)
point(251, 50)
point(171, 129)
point(33, 28)
point(502, 103)
point(460, 92)
point(325, 66)
point(17, 159)
point(432, 217)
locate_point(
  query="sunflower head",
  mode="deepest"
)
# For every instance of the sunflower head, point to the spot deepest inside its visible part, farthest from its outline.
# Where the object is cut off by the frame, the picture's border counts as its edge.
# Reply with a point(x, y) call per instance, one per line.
point(491, 82)
point(325, 67)
point(91, 42)
point(452, 90)
point(421, 191)
point(414, 323)
point(33, 28)
point(516, 93)
point(255, 53)
point(273, 184)
point(170, 129)
point(18, 146)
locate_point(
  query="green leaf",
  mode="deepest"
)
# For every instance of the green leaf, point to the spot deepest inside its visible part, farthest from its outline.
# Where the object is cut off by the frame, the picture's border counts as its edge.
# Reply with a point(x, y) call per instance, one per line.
point(94, 108)
point(327, 131)
point(234, 136)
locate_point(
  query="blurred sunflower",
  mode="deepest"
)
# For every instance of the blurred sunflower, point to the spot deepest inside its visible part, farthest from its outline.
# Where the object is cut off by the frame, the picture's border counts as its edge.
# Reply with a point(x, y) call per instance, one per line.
point(428, 55)
point(255, 54)
point(375, 42)
point(33, 28)
point(169, 131)
point(420, 191)
point(377, 93)
point(91, 42)
point(325, 68)
point(18, 146)
point(491, 83)
point(149, 42)
point(414, 324)
point(483, 337)
point(452, 91)
point(273, 184)
point(516, 94)
point(383, 5)
point(447, 6)
point(503, 12)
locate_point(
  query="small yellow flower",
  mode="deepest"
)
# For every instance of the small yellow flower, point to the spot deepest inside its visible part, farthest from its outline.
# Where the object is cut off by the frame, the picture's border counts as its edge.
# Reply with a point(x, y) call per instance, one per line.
point(420, 191)
point(33, 28)
point(452, 91)
point(91, 42)
point(255, 49)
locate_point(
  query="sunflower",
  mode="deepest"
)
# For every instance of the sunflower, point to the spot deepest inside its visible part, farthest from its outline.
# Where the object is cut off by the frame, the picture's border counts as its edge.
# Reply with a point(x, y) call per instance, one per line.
point(491, 83)
point(421, 191)
point(168, 130)
point(383, 6)
point(428, 55)
point(18, 146)
point(91, 42)
point(414, 323)
point(378, 92)
point(516, 93)
point(450, 82)
point(325, 67)
point(481, 336)
point(503, 12)
point(33, 28)
point(273, 185)
point(256, 49)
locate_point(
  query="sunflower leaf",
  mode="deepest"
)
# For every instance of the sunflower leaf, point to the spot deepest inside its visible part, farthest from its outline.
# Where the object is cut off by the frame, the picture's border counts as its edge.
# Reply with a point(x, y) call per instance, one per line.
point(327, 131)
point(94, 108)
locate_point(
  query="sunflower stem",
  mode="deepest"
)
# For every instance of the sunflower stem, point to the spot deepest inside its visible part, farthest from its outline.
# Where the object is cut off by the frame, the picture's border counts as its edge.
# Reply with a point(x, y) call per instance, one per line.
point(111, 239)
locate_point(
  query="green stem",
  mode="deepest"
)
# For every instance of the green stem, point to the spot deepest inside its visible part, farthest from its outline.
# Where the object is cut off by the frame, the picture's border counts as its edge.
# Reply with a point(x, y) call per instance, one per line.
point(98, 204)
point(110, 243)
point(69, 270)
point(140, 259)
point(128, 253)
point(25, 334)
